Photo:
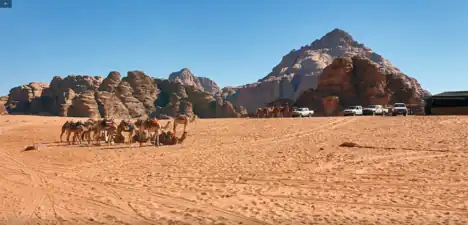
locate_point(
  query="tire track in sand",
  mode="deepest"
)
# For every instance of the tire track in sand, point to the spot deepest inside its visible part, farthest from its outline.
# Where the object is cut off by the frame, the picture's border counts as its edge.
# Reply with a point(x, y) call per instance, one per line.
point(38, 198)
point(335, 122)
point(126, 209)
point(364, 204)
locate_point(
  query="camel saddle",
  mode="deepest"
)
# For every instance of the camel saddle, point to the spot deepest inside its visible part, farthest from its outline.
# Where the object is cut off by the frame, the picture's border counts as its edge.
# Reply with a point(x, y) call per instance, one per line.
point(75, 125)
point(107, 123)
point(152, 122)
point(130, 126)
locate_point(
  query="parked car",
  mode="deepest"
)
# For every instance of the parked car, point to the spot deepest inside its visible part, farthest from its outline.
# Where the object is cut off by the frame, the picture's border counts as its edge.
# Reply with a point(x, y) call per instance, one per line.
point(399, 109)
point(353, 110)
point(302, 112)
point(374, 110)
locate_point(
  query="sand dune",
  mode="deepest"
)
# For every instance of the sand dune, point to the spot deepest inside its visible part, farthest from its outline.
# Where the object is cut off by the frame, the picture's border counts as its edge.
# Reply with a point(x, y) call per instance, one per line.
point(406, 170)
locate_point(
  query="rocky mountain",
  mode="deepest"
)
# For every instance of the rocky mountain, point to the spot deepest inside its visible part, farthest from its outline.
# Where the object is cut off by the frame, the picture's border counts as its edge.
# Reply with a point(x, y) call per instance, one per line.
point(186, 77)
point(334, 65)
point(136, 95)
point(301, 70)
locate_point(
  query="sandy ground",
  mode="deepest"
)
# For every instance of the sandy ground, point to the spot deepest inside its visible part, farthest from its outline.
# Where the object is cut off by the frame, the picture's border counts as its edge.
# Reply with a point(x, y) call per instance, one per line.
point(408, 170)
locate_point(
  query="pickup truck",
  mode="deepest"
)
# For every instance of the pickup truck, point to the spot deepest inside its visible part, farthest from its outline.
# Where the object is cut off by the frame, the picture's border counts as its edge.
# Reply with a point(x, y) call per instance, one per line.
point(399, 109)
point(374, 110)
point(302, 112)
point(353, 110)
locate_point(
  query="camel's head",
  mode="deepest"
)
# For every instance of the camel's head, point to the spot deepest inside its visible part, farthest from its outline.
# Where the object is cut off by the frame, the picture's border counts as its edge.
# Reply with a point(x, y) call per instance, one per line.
point(193, 118)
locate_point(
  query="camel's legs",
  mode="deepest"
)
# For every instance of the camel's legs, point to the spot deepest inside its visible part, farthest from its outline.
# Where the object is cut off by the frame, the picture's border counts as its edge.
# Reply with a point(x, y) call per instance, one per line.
point(156, 137)
point(76, 137)
point(61, 134)
point(140, 134)
point(68, 137)
point(175, 127)
point(130, 135)
point(109, 137)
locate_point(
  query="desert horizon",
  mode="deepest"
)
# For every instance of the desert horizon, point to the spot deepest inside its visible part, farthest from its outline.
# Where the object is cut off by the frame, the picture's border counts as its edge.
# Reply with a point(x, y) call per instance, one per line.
point(402, 170)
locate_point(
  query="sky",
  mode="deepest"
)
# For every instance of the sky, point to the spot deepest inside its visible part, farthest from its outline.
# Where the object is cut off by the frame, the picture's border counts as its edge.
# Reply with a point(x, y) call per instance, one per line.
point(231, 42)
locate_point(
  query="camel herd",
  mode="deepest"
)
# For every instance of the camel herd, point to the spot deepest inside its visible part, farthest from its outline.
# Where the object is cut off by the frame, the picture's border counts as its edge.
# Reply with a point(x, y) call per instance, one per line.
point(142, 131)
point(275, 111)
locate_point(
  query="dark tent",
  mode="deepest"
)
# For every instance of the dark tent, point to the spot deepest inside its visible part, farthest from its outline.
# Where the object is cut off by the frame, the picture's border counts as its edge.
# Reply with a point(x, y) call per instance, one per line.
point(447, 103)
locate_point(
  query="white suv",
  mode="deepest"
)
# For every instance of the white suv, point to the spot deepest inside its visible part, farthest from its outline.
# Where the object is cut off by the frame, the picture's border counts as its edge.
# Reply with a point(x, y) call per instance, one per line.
point(353, 110)
point(302, 112)
point(399, 109)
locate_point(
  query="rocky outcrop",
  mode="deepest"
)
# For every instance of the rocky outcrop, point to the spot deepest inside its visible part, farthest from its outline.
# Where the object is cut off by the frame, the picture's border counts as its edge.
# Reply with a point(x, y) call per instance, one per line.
point(300, 69)
point(109, 105)
point(3, 102)
point(84, 105)
point(143, 88)
point(25, 98)
point(111, 82)
point(136, 95)
point(360, 81)
point(186, 77)
point(176, 98)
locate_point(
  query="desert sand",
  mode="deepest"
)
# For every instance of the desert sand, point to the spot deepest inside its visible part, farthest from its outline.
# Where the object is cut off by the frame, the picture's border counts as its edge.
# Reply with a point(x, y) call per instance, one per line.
point(407, 170)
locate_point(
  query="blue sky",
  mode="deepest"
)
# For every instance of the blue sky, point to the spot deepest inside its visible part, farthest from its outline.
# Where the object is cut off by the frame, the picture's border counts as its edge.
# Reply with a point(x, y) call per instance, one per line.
point(232, 42)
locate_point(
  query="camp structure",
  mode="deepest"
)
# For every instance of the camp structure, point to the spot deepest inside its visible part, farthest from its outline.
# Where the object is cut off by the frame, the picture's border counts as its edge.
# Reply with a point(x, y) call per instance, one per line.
point(447, 103)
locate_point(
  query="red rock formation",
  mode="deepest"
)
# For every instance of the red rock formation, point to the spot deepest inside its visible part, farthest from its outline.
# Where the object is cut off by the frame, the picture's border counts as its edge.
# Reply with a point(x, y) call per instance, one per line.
point(359, 81)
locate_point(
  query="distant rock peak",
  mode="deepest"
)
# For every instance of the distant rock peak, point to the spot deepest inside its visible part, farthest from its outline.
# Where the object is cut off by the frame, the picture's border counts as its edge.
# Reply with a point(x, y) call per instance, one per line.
point(334, 39)
point(186, 77)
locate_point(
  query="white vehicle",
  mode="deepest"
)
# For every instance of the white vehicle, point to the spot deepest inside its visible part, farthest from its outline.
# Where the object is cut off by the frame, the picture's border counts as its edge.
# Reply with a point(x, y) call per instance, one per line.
point(374, 110)
point(302, 112)
point(399, 109)
point(353, 110)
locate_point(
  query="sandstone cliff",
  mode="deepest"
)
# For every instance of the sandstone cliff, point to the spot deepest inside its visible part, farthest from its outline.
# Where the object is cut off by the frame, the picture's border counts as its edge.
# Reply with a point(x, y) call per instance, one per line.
point(136, 95)
point(300, 69)
point(360, 81)
point(186, 77)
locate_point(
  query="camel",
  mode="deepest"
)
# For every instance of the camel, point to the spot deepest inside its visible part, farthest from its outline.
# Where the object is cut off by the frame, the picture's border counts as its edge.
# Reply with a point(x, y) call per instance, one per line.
point(183, 119)
point(91, 126)
point(166, 137)
point(276, 111)
point(126, 126)
point(169, 138)
point(66, 129)
point(149, 125)
point(75, 128)
point(285, 111)
point(106, 126)
point(260, 113)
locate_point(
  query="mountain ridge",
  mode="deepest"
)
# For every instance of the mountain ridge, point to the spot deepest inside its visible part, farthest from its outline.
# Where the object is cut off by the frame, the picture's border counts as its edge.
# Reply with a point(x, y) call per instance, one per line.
point(298, 71)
